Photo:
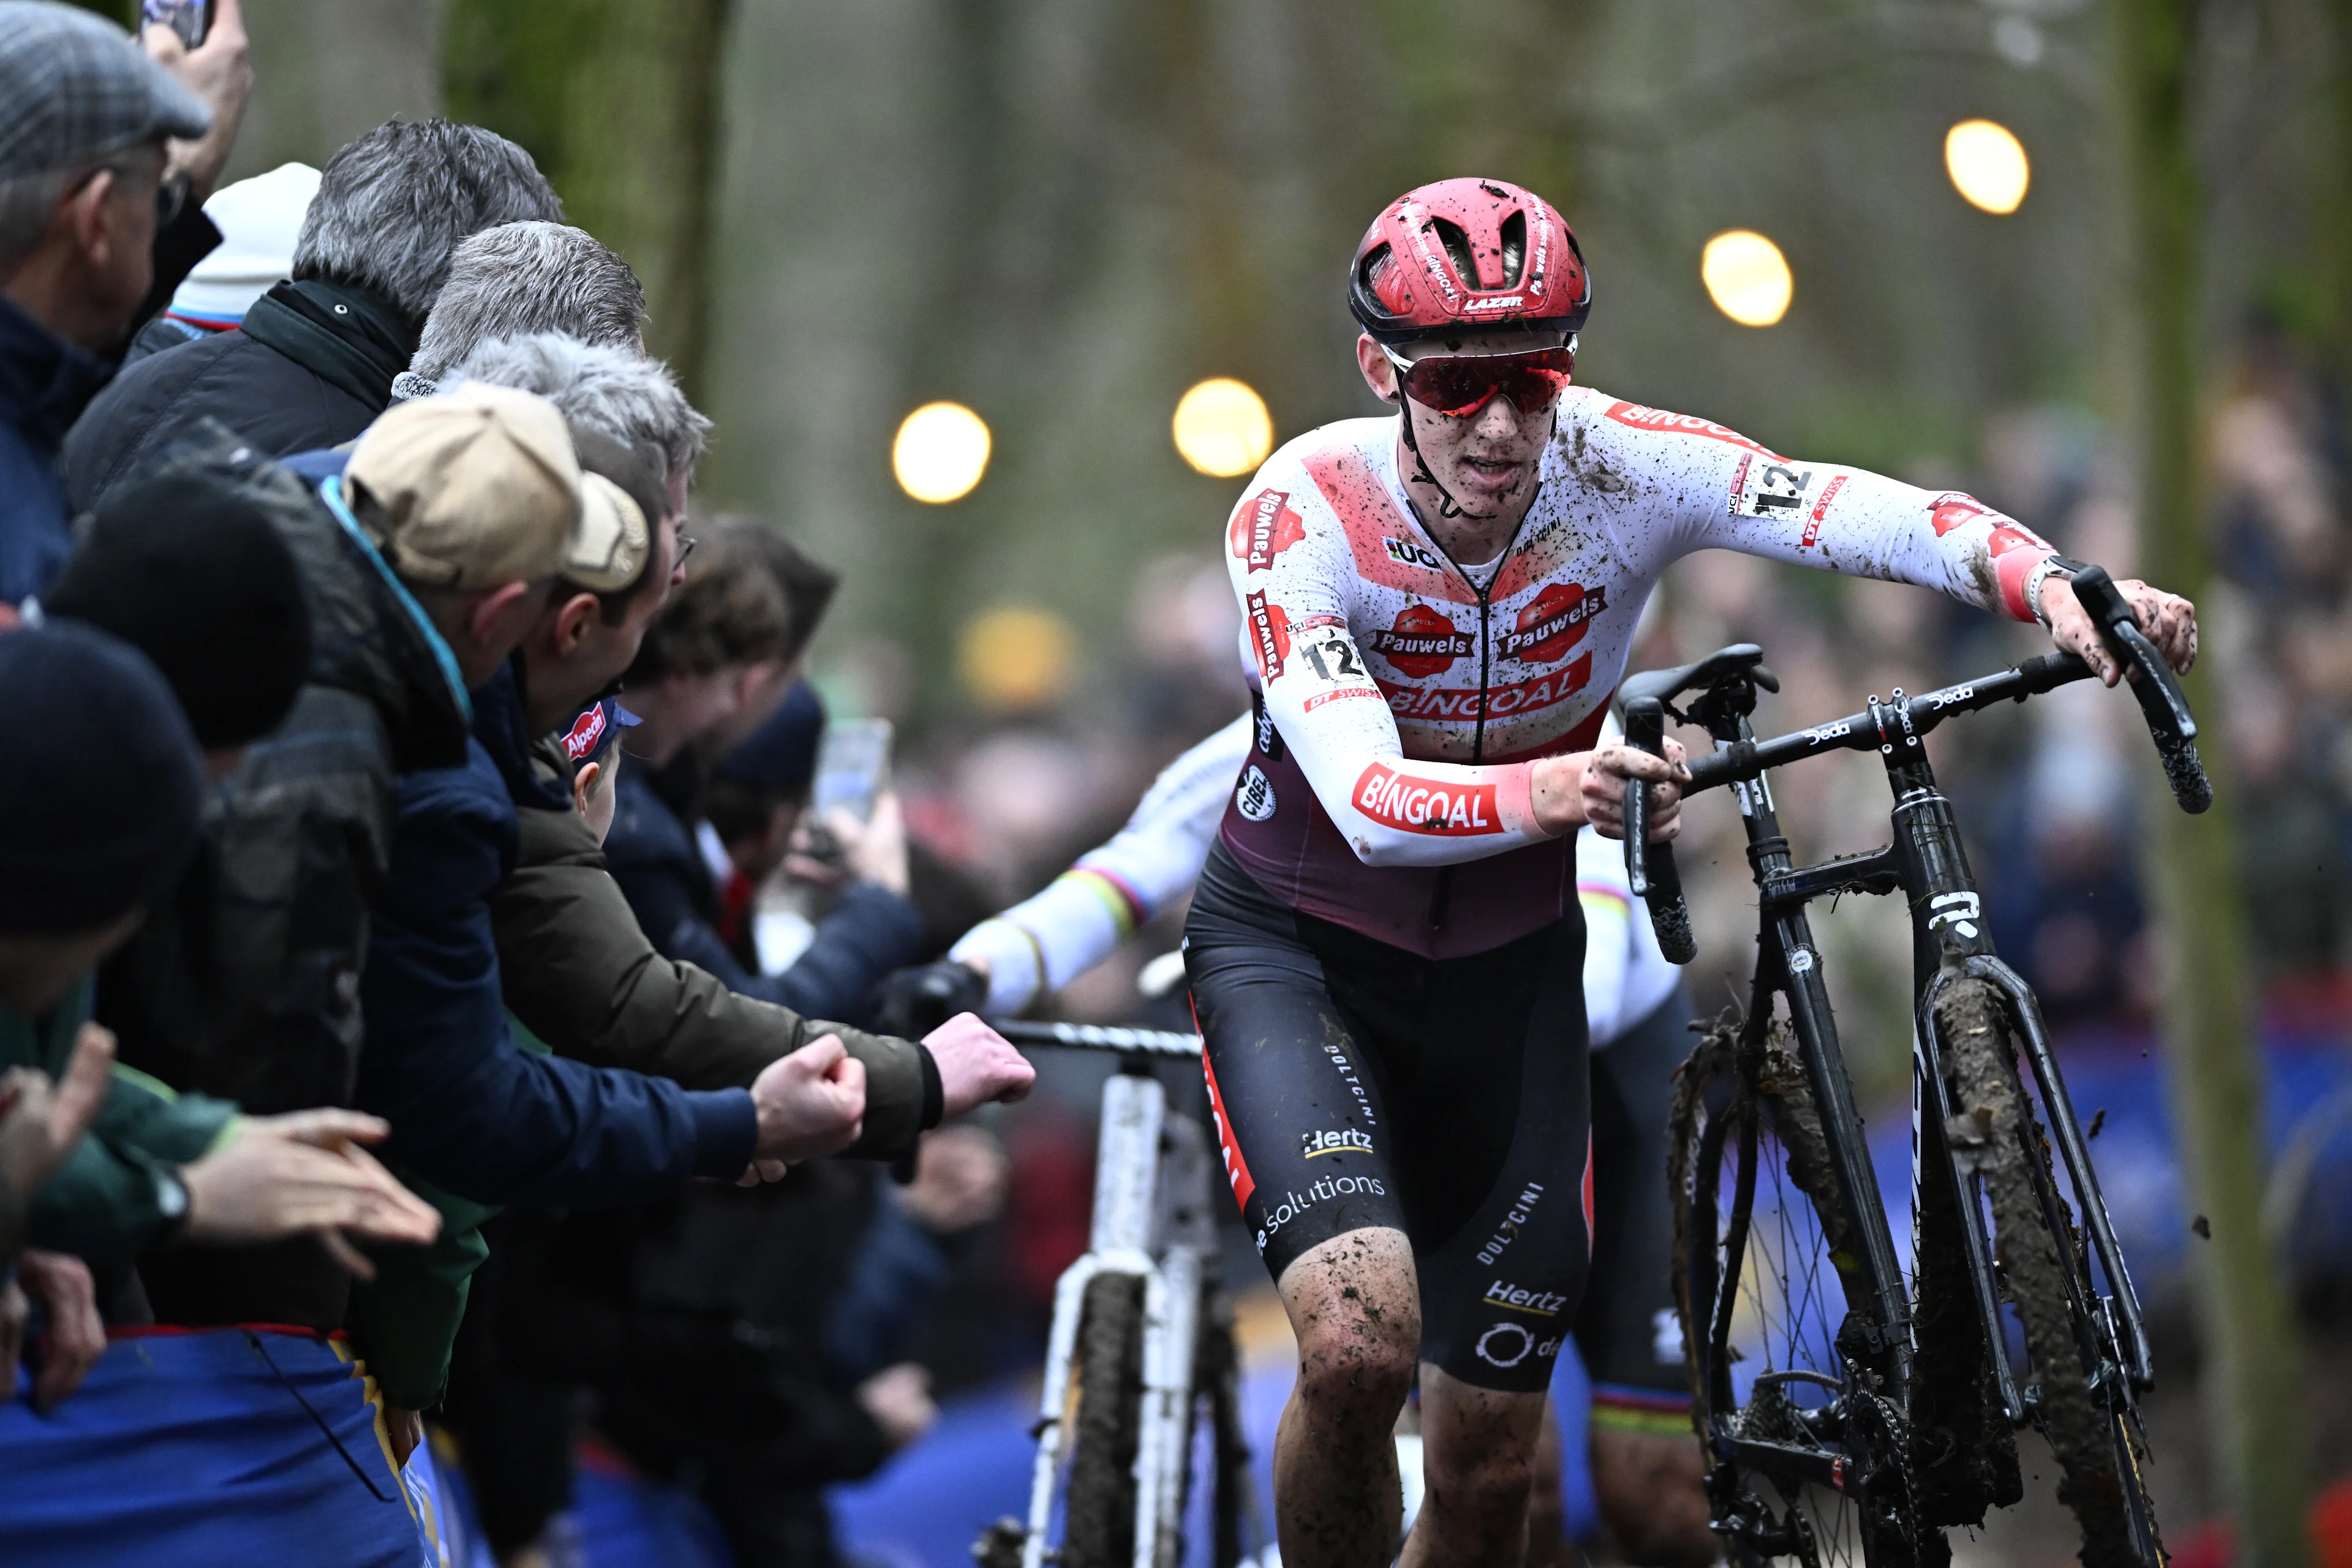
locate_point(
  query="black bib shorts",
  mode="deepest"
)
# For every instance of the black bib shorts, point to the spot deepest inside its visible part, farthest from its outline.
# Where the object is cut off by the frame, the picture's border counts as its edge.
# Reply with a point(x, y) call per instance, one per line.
point(1357, 1085)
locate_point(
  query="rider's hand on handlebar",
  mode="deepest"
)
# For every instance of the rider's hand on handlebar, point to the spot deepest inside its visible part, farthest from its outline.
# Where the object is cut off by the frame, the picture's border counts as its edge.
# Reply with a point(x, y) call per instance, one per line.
point(2168, 620)
point(1569, 791)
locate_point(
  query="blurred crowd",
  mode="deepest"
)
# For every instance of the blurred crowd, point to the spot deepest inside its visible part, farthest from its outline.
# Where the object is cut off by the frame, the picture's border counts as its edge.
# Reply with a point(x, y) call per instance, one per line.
point(396, 755)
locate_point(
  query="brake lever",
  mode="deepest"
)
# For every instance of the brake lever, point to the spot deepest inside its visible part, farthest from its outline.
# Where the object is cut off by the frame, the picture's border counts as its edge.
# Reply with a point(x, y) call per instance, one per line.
point(1650, 868)
point(2169, 722)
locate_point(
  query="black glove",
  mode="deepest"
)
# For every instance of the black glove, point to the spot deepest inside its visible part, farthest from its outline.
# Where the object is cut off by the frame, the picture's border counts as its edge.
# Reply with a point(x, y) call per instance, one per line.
point(917, 1001)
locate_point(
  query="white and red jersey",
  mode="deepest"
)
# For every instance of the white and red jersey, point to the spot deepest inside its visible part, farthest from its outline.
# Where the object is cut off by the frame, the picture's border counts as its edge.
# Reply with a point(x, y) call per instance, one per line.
point(1391, 791)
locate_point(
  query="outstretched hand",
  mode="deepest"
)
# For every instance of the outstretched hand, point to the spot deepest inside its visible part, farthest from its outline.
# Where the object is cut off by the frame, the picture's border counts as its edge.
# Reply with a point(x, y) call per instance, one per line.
point(976, 1065)
point(2167, 620)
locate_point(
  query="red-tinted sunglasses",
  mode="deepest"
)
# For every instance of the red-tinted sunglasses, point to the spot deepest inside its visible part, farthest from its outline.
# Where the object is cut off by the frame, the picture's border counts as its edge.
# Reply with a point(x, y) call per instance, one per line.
point(1458, 385)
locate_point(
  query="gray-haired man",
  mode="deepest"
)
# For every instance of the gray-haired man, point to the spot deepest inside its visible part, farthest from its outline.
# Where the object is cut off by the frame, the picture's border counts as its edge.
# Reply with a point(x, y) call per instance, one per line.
point(522, 279)
point(315, 361)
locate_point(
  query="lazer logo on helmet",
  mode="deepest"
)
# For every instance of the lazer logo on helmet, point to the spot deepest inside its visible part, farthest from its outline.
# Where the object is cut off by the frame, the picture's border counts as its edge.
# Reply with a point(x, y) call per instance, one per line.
point(1467, 704)
point(1263, 527)
point(1509, 302)
point(1553, 623)
point(1345, 1140)
point(1417, 806)
point(1422, 643)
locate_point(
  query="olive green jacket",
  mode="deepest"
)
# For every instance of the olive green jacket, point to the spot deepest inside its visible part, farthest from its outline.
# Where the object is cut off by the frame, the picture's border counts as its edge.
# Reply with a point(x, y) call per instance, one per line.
point(583, 975)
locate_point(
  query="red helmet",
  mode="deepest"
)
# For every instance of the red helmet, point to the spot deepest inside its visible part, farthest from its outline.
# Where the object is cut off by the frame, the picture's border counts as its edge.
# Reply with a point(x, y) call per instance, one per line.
point(1474, 256)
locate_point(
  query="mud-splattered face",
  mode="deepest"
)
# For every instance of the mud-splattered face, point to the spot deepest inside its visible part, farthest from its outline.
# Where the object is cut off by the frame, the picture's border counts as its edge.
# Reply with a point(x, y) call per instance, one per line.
point(1487, 459)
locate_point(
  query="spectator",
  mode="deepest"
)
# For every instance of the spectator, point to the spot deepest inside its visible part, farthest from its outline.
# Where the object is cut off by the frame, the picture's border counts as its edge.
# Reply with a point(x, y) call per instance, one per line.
point(522, 278)
point(259, 220)
point(199, 581)
point(96, 821)
point(84, 144)
point(315, 360)
point(706, 666)
point(618, 392)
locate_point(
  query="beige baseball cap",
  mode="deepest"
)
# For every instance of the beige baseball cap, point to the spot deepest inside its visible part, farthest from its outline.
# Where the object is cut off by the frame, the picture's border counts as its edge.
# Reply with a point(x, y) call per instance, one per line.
point(609, 550)
point(479, 487)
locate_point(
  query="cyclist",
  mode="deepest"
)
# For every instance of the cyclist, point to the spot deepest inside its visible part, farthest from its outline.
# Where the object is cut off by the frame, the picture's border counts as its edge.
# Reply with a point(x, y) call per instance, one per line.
point(1644, 1464)
point(1384, 946)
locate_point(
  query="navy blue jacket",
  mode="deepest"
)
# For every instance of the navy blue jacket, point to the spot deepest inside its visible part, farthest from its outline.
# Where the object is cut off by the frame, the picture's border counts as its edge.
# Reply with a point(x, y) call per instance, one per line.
point(651, 854)
point(470, 1110)
point(44, 382)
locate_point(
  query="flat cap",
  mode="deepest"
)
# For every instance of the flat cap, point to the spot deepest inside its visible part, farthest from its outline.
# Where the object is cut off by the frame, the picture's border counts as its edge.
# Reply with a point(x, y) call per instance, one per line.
point(74, 87)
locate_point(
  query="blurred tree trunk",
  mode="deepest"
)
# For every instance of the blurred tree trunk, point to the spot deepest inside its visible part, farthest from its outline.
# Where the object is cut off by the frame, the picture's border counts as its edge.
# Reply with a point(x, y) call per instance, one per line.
point(2253, 1394)
point(618, 101)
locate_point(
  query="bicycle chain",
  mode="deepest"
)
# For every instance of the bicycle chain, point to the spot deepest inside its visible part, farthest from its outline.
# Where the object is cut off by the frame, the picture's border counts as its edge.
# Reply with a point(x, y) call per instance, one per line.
point(1898, 1439)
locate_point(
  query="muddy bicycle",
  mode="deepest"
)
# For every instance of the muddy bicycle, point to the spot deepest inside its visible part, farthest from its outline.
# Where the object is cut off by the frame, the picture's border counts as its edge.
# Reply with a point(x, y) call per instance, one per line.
point(1140, 1362)
point(1854, 1404)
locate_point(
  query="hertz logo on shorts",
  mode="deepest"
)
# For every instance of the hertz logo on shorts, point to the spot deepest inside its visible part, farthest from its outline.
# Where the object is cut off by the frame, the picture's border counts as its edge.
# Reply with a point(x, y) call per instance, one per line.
point(1345, 1141)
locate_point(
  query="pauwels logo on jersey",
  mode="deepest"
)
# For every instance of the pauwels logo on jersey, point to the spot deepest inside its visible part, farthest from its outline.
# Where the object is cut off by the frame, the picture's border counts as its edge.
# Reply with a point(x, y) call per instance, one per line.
point(1269, 636)
point(1263, 527)
point(1553, 623)
point(1422, 643)
point(1416, 806)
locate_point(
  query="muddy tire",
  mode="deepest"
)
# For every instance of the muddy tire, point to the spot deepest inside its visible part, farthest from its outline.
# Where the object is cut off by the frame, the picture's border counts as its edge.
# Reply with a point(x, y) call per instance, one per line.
point(1760, 1235)
point(2047, 1279)
point(1100, 1531)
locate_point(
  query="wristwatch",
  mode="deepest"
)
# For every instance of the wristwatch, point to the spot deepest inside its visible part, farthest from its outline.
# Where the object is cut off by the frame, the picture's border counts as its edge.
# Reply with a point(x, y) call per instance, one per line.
point(2049, 566)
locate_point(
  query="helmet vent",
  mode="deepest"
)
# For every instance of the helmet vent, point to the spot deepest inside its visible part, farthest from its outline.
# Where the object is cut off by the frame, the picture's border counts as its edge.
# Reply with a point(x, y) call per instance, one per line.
point(1374, 273)
point(1456, 242)
point(1515, 248)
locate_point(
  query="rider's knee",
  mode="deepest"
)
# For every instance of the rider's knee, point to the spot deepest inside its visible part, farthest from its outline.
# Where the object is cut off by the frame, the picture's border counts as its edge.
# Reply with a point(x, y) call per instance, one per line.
point(1355, 1362)
point(1356, 1308)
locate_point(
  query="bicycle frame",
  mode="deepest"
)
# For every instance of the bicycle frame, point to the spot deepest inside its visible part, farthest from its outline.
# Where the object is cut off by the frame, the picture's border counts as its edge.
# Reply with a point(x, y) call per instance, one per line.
point(1927, 864)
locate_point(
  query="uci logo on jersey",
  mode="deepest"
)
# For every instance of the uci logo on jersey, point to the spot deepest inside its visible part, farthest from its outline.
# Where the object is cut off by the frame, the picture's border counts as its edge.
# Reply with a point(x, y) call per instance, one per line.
point(1405, 552)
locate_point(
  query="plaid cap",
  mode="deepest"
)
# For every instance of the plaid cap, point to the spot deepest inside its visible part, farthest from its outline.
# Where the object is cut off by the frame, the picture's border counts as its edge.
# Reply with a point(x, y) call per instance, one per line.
point(74, 87)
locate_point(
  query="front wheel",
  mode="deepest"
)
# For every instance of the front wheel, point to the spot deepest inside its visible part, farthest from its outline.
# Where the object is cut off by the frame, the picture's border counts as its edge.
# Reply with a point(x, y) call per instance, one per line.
point(2080, 1401)
point(1100, 1528)
point(1809, 1461)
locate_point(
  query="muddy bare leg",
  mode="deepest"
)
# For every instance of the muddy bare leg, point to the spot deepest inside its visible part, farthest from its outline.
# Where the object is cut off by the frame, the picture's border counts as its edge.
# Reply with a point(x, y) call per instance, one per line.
point(1355, 1304)
point(1547, 1542)
point(1478, 1456)
point(1649, 1488)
